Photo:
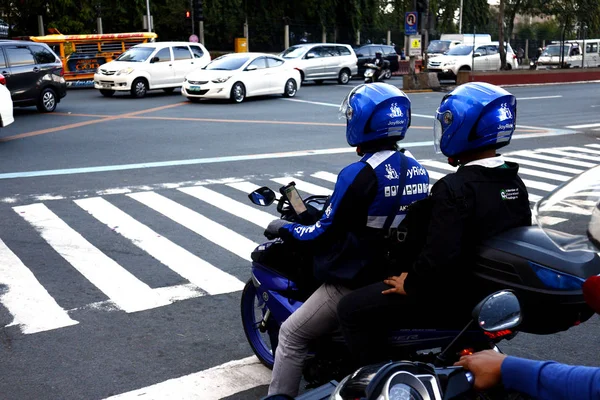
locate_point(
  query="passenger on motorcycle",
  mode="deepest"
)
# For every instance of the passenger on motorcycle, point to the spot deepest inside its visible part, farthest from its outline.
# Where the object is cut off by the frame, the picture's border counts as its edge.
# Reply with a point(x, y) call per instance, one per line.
point(432, 286)
point(348, 242)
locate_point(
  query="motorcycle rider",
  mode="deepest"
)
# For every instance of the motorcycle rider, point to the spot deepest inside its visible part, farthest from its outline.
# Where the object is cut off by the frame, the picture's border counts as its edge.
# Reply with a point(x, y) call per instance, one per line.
point(348, 242)
point(484, 197)
point(379, 63)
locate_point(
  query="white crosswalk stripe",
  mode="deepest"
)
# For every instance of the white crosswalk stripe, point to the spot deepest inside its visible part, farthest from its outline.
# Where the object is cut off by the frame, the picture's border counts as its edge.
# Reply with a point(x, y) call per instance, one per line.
point(225, 209)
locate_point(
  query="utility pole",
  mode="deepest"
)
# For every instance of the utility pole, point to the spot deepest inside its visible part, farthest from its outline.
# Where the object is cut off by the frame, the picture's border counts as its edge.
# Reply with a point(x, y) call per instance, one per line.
point(501, 35)
point(460, 17)
point(149, 22)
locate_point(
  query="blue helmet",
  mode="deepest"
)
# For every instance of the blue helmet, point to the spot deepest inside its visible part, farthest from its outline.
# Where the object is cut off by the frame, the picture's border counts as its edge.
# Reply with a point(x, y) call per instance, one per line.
point(474, 116)
point(375, 111)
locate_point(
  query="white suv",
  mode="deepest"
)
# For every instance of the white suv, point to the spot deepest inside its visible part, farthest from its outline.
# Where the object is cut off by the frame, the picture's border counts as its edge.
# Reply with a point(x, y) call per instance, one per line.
point(147, 66)
point(462, 58)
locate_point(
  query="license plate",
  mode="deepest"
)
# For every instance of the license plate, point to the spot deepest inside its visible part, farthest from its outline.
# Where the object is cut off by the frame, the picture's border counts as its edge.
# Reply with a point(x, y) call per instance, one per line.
point(195, 88)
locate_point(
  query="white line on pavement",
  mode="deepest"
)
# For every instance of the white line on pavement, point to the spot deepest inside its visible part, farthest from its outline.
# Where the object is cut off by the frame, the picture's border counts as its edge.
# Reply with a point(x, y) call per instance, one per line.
point(539, 97)
point(30, 304)
point(121, 286)
point(199, 272)
point(303, 186)
point(211, 384)
point(584, 126)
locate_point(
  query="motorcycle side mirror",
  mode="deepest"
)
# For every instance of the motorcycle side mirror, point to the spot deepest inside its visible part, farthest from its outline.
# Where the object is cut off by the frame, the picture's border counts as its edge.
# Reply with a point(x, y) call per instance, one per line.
point(262, 196)
point(477, 55)
point(310, 55)
point(591, 292)
point(498, 311)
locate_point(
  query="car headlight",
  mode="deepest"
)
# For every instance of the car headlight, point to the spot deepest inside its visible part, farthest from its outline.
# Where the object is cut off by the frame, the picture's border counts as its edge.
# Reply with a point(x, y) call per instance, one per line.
point(221, 80)
point(125, 71)
point(449, 64)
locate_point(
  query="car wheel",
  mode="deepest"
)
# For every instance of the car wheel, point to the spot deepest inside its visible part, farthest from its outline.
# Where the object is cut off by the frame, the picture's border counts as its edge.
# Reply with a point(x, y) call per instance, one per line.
point(47, 101)
point(194, 99)
point(508, 67)
point(344, 77)
point(139, 88)
point(290, 88)
point(169, 90)
point(238, 92)
point(387, 74)
point(107, 92)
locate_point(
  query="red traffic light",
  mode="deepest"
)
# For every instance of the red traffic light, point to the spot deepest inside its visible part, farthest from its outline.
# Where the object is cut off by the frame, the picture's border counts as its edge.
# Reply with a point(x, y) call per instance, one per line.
point(188, 14)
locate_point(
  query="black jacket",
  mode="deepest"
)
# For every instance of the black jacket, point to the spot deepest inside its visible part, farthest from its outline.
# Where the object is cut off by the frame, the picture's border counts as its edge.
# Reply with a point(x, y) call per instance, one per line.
point(466, 208)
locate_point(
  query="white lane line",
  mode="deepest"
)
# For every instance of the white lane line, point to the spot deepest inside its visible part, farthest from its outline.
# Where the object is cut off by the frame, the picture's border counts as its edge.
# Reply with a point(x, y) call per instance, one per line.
point(582, 150)
point(318, 103)
point(129, 293)
point(546, 187)
point(304, 186)
point(570, 154)
point(539, 97)
point(531, 154)
point(583, 126)
point(326, 176)
point(554, 167)
point(246, 187)
point(225, 203)
point(534, 197)
point(199, 272)
point(30, 304)
point(596, 146)
point(198, 223)
point(211, 384)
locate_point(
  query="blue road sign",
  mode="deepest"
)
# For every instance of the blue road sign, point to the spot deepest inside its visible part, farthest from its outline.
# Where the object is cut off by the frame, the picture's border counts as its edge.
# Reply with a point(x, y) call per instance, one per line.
point(411, 23)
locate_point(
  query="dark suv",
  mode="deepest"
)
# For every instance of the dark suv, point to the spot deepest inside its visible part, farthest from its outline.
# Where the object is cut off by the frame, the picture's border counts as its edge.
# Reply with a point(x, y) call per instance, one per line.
point(34, 74)
point(366, 54)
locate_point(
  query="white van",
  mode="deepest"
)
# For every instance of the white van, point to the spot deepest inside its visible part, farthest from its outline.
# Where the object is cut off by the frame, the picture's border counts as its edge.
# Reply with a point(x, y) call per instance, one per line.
point(147, 66)
point(485, 57)
point(573, 56)
point(450, 40)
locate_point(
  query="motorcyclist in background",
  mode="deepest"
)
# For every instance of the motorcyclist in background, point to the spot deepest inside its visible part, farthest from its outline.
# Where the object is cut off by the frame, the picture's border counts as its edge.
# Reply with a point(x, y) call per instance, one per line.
point(484, 197)
point(379, 62)
point(348, 242)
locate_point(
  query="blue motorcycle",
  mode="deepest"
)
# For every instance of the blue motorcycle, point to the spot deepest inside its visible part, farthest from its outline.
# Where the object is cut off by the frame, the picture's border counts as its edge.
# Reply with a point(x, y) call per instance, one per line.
point(547, 281)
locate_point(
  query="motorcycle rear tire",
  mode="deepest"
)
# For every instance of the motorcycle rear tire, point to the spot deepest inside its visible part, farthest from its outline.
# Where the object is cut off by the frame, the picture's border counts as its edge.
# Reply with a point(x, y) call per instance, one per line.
point(257, 342)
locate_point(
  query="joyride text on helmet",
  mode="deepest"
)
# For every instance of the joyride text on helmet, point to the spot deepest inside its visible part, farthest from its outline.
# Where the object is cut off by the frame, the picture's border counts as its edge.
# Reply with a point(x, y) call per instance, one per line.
point(375, 111)
point(474, 116)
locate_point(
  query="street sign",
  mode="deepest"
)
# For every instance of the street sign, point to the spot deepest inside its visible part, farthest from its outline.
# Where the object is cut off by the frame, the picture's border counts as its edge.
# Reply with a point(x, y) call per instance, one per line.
point(415, 45)
point(411, 23)
point(193, 39)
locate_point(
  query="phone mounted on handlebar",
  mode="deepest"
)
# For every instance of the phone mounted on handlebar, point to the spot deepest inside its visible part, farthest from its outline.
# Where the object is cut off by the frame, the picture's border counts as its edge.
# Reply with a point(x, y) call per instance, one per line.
point(291, 195)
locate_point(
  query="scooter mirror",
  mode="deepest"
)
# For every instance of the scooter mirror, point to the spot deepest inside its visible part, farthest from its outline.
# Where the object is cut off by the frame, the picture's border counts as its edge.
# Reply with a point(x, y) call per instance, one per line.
point(591, 292)
point(498, 311)
point(262, 196)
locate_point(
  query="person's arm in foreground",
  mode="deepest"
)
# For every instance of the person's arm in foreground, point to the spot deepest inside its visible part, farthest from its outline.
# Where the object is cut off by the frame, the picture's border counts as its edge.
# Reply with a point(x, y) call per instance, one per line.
point(538, 379)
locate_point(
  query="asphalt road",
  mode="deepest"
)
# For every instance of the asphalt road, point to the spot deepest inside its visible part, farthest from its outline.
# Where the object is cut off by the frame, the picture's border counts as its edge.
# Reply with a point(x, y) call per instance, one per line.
point(92, 304)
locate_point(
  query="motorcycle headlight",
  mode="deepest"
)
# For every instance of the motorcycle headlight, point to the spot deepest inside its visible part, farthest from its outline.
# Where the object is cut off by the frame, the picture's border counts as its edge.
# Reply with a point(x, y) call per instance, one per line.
point(222, 79)
point(125, 71)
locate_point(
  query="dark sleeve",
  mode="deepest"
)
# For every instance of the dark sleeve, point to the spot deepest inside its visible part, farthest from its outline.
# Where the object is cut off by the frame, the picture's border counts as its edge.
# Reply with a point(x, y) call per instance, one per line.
point(550, 380)
point(444, 240)
point(354, 191)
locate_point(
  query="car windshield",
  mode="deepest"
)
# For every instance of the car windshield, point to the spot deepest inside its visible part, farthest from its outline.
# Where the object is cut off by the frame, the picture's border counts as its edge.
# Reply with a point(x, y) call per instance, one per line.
point(293, 52)
point(136, 54)
point(438, 46)
point(228, 63)
point(461, 50)
point(554, 50)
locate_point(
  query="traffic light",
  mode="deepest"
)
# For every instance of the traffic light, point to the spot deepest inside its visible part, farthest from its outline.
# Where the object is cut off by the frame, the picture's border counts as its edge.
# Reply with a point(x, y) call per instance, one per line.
point(188, 14)
point(198, 12)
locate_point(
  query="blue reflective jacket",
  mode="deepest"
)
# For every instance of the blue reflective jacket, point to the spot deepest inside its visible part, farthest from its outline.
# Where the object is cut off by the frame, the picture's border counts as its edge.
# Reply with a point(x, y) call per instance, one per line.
point(369, 198)
point(547, 380)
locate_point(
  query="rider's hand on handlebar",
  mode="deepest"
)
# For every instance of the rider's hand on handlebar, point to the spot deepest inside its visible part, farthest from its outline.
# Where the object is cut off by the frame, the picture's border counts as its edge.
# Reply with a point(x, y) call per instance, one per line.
point(396, 283)
point(486, 366)
point(272, 230)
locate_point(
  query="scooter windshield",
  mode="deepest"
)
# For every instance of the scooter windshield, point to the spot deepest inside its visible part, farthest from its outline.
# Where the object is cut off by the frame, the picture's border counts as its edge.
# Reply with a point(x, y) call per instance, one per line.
point(570, 215)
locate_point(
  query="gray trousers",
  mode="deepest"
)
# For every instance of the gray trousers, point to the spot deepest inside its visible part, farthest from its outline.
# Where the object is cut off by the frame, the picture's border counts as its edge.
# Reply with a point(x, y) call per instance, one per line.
point(315, 318)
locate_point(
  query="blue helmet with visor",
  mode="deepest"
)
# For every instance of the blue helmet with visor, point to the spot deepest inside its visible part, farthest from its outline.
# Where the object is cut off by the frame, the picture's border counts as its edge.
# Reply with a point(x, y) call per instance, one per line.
point(375, 111)
point(474, 116)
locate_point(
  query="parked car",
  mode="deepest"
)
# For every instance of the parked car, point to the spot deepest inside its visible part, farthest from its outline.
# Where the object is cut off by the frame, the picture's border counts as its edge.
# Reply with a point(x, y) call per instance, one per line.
point(450, 40)
point(148, 66)
point(485, 57)
point(6, 104)
point(34, 74)
point(321, 61)
point(240, 75)
point(366, 54)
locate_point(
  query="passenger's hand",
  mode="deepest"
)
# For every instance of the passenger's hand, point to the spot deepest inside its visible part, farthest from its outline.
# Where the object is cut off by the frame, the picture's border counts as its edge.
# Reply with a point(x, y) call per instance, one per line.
point(272, 230)
point(486, 366)
point(396, 283)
